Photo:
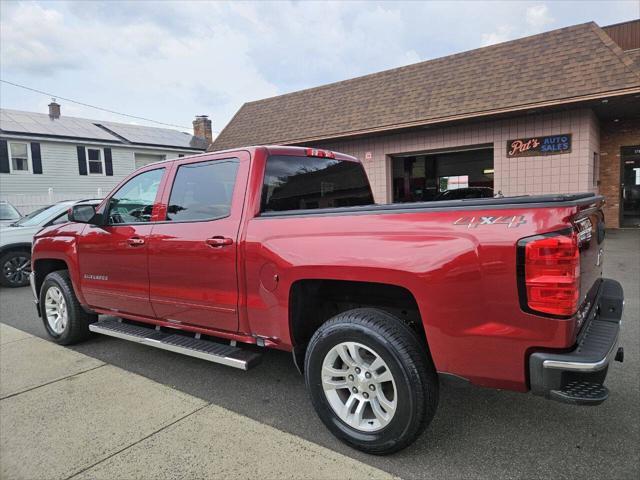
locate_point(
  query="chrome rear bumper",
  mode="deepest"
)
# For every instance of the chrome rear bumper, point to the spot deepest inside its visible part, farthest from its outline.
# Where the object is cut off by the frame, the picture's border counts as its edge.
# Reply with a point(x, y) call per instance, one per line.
point(565, 376)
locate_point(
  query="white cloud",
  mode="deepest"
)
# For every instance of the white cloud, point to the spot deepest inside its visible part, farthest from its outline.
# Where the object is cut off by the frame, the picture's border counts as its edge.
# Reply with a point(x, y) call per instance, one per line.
point(172, 60)
point(538, 17)
point(142, 67)
point(522, 21)
point(130, 58)
point(502, 34)
point(35, 39)
point(300, 41)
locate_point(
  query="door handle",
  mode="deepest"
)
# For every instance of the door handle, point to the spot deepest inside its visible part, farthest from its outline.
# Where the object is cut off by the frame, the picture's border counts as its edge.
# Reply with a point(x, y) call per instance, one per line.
point(218, 242)
point(136, 241)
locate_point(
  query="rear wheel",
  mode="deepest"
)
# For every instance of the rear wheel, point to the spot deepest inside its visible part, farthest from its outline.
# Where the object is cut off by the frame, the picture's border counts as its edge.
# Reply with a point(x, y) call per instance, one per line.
point(16, 266)
point(371, 382)
point(64, 318)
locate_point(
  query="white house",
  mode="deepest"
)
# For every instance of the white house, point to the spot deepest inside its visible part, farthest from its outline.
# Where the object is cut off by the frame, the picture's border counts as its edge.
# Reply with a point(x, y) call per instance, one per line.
point(49, 158)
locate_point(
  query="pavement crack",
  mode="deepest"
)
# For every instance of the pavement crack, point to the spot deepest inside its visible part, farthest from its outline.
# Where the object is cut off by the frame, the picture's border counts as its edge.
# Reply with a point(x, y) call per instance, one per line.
point(79, 472)
point(11, 395)
point(14, 341)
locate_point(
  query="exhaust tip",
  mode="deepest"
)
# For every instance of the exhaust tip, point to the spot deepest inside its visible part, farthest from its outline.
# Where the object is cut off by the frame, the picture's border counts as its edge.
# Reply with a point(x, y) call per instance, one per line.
point(620, 355)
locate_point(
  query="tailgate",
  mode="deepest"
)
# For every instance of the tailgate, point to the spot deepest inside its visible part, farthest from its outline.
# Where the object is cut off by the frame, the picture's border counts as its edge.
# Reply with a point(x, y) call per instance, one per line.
point(589, 225)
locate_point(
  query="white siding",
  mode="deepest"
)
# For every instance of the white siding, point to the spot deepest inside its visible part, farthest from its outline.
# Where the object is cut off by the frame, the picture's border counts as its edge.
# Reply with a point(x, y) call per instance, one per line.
point(61, 180)
point(143, 159)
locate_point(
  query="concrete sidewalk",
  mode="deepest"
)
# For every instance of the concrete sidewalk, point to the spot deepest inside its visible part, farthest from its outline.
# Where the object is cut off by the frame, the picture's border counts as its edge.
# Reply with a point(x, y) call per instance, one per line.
point(66, 415)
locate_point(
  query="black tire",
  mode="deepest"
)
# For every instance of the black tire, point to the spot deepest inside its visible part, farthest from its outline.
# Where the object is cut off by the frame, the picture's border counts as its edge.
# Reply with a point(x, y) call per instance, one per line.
point(12, 275)
point(409, 362)
point(77, 326)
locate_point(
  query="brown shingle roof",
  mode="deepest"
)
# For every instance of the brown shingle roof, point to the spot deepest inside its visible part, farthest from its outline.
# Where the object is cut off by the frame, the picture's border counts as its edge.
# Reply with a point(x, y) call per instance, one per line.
point(634, 55)
point(563, 65)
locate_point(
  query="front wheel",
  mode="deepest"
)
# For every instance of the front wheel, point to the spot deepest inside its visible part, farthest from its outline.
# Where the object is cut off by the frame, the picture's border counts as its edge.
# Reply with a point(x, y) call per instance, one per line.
point(64, 318)
point(371, 382)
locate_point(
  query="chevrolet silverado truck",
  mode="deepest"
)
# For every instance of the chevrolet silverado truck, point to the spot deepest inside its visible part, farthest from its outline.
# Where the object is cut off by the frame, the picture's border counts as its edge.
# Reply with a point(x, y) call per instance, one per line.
point(223, 254)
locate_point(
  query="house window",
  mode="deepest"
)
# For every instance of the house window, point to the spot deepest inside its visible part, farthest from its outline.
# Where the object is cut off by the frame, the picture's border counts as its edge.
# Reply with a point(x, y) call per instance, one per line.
point(95, 161)
point(19, 153)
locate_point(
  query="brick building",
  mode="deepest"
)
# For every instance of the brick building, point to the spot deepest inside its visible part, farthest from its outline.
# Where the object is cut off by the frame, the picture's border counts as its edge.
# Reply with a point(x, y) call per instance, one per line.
point(551, 113)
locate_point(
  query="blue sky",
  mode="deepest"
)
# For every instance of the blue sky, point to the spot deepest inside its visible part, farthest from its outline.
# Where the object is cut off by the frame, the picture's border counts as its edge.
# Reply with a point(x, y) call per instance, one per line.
point(170, 61)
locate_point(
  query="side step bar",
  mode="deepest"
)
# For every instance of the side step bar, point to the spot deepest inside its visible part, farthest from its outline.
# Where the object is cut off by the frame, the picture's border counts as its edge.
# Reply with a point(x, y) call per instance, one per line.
point(193, 347)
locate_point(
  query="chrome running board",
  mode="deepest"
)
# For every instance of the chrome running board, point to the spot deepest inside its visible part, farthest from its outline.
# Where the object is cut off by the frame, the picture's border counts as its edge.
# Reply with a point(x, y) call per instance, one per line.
point(211, 351)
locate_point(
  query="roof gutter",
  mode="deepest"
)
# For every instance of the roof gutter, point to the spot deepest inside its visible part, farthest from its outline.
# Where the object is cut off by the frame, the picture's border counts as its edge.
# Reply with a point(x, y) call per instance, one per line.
point(106, 143)
point(466, 116)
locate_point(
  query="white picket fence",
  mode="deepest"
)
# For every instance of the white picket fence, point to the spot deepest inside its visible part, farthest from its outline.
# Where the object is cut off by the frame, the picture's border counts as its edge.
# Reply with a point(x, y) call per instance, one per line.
point(27, 203)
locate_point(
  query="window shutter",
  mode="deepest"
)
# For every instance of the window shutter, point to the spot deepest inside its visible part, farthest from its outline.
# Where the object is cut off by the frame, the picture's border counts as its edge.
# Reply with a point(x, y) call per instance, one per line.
point(82, 160)
point(108, 162)
point(36, 159)
point(4, 157)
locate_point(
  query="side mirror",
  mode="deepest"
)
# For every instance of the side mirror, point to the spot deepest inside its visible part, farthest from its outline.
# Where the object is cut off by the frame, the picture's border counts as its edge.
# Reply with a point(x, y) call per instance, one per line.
point(84, 214)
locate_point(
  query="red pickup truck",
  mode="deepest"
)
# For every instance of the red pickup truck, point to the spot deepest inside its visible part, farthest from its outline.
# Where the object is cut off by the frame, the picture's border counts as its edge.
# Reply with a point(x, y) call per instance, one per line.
point(221, 254)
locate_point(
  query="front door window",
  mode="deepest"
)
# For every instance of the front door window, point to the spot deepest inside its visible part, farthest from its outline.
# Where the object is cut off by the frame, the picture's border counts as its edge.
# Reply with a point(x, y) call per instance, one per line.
point(133, 202)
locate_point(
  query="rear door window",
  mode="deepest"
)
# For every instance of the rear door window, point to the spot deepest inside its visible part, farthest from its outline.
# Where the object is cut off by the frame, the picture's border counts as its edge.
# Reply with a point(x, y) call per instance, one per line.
point(203, 191)
point(300, 183)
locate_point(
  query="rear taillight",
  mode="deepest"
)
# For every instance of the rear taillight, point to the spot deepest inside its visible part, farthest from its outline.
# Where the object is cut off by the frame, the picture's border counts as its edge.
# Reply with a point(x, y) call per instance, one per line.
point(550, 273)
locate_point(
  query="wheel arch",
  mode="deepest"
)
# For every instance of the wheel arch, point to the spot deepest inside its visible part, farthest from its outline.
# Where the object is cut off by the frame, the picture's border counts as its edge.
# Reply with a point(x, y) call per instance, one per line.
point(312, 302)
point(20, 247)
point(43, 267)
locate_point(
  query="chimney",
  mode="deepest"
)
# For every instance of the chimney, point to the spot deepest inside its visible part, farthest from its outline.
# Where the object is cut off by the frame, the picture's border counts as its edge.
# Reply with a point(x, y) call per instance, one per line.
point(202, 128)
point(54, 109)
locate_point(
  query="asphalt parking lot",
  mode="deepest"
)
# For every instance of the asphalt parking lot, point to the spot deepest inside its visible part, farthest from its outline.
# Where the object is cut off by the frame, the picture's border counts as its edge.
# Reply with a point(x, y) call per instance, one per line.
point(477, 433)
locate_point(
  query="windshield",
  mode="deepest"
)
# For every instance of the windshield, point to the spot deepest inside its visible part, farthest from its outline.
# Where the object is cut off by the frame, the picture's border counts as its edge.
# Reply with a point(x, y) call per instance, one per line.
point(8, 212)
point(40, 215)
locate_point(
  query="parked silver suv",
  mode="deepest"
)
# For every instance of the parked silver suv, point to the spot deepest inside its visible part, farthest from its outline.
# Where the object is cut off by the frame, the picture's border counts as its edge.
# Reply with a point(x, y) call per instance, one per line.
point(16, 239)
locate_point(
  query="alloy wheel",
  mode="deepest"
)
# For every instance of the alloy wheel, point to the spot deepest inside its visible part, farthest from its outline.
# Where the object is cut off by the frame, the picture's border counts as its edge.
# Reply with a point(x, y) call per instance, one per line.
point(359, 386)
point(56, 310)
point(16, 269)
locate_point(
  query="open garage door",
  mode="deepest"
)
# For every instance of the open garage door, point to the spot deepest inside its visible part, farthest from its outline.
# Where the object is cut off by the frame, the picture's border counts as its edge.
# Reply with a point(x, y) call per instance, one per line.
point(443, 176)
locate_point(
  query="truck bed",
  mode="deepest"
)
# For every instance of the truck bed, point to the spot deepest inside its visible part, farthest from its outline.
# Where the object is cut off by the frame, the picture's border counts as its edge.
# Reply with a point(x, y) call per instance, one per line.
point(530, 201)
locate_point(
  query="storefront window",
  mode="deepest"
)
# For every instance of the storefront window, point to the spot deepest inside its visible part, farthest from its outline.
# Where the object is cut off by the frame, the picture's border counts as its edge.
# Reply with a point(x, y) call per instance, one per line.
point(428, 177)
point(630, 214)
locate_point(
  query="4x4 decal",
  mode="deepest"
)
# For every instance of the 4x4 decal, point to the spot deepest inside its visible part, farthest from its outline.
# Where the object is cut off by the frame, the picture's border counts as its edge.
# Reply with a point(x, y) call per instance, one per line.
point(511, 221)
